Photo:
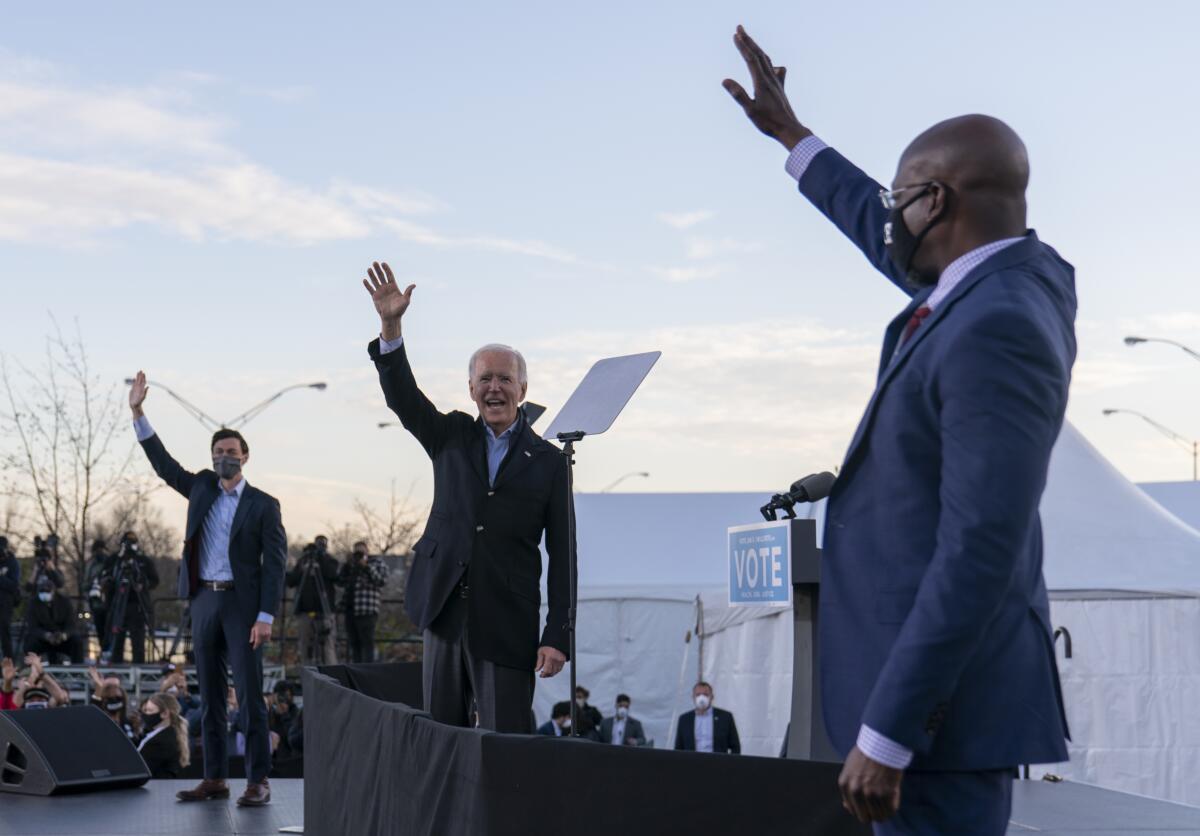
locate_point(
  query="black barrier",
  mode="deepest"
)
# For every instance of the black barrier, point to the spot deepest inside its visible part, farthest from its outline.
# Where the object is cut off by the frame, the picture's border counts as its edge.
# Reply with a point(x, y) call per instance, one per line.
point(375, 767)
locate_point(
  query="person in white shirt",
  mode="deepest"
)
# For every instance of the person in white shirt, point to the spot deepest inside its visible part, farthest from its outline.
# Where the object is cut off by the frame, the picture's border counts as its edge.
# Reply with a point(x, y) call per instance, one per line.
point(621, 729)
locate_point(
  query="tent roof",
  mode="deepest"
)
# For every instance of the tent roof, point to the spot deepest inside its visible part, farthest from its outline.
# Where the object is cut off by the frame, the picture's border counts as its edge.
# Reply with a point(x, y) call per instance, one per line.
point(1101, 533)
point(1180, 498)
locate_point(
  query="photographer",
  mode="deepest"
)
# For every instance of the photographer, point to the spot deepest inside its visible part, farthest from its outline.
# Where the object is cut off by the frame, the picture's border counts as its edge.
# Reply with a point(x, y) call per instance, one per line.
point(362, 576)
point(313, 577)
point(45, 563)
point(52, 625)
point(96, 572)
point(131, 578)
point(10, 596)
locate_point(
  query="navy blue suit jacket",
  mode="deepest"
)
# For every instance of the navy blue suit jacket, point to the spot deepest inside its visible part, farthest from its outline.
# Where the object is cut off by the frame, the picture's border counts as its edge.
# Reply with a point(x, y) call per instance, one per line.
point(934, 618)
point(257, 542)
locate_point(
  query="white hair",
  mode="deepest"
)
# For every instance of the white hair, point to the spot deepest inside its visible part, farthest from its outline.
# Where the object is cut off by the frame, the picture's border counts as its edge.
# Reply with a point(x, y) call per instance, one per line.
point(522, 372)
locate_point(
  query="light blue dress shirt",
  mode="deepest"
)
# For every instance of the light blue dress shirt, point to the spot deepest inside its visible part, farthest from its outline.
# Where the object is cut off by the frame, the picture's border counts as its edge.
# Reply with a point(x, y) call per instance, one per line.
point(218, 526)
point(704, 731)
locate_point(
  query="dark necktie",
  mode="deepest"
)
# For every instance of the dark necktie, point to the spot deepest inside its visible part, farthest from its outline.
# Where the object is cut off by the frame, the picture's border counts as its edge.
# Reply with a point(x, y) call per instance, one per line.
point(913, 324)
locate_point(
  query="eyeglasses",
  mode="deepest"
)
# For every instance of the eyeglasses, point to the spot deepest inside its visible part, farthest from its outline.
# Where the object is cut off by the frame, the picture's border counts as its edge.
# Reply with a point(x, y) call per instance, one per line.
point(890, 198)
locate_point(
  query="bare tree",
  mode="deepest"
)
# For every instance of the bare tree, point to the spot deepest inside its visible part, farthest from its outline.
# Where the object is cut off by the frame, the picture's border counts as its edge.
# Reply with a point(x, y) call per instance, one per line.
point(393, 528)
point(62, 423)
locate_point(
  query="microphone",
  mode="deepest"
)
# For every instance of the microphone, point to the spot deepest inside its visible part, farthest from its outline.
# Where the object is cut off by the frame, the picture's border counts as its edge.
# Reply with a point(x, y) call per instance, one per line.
point(812, 488)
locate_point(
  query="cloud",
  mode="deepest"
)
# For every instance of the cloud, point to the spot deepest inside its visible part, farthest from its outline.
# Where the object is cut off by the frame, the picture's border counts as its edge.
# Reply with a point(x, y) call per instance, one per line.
point(82, 161)
point(685, 220)
point(1170, 324)
point(687, 274)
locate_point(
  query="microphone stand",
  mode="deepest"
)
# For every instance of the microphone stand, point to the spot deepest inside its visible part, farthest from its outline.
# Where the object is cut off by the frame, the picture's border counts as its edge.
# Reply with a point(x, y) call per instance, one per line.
point(568, 441)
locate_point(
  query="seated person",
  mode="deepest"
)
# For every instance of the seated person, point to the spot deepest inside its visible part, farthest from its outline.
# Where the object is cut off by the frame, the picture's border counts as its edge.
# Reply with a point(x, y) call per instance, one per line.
point(560, 721)
point(621, 729)
point(164, 745)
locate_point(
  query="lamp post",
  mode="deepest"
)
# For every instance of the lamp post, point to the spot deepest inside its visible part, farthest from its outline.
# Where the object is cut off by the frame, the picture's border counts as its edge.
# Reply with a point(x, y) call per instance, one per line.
point(1132, 341)
point(639, 473)
point(237, 421)
point(1191, 446)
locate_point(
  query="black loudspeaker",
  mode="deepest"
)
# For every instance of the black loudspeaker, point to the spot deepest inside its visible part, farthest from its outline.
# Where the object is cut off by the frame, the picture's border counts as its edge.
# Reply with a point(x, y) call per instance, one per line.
point(60, 750)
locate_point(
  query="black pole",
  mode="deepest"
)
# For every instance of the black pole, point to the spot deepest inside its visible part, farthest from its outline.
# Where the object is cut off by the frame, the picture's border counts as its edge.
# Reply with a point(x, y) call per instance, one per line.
point(568, 441)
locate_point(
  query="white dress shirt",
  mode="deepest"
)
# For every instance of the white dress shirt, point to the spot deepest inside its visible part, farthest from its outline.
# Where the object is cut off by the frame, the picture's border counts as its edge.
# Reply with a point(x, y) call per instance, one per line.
point(704, 731)
point(618, 732)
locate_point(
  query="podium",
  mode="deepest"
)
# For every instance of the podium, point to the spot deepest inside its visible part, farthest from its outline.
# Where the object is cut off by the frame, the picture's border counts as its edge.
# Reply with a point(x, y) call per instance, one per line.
point(758, 553)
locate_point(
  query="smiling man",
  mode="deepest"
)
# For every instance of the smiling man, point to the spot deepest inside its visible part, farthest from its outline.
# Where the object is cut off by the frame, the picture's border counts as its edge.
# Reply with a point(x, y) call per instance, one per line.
point(474, 587)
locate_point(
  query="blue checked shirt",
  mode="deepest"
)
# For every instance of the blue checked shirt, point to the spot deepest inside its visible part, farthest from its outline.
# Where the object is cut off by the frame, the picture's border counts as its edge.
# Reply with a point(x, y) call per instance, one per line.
point(214, 545)
point(871, 743)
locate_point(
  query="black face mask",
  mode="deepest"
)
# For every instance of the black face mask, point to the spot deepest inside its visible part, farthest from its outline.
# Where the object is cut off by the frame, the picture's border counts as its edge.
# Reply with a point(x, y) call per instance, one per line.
point(114, 706)
point(149, 721)
point(902, 245)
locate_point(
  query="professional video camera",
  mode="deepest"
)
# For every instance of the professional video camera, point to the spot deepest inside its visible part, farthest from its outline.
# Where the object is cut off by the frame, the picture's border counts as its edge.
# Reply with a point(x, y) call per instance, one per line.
point(127, 578)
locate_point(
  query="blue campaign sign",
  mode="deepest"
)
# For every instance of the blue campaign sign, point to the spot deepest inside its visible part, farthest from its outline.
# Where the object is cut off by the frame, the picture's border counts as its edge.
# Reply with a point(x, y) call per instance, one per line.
point(760, 564)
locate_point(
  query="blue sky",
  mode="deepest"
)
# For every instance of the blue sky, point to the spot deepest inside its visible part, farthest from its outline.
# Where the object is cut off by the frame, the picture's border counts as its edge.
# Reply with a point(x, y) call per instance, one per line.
point(202, 188)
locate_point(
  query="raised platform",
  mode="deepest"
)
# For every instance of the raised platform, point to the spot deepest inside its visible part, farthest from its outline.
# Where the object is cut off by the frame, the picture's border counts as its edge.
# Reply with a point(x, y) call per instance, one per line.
point(150, 810)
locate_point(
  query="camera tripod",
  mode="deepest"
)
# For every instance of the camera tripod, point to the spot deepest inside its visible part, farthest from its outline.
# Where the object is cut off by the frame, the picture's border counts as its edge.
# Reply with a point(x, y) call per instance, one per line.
point(312, 569)
point(129, 579)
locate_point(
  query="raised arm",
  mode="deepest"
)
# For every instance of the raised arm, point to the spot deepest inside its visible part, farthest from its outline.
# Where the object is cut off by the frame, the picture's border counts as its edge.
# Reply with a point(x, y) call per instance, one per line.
point(415, 411)
point(843, 193)
point(169, 470)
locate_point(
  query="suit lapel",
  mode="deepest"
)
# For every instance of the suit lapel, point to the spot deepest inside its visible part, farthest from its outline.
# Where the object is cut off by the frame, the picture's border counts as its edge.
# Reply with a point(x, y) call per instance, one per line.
point(203, 505)
point(522, 451)
point(249, 496)
point(478, 451)
point(889, 364)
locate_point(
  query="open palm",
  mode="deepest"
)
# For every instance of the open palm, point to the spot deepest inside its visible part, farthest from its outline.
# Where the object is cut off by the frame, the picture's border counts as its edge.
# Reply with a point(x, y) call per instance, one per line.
point(390, 302)
point(138, 390)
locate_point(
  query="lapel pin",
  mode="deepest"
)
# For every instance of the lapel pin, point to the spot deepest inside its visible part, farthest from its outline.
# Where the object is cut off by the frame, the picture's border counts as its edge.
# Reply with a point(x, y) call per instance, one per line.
point(527, 453)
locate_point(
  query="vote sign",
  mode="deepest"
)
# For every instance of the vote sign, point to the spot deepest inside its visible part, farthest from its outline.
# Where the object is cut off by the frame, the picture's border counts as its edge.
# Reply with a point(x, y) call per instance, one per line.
point(760, 564)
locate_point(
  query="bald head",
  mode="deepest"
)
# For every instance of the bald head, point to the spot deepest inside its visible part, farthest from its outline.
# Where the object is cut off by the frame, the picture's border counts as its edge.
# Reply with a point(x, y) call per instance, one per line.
point(972, 154)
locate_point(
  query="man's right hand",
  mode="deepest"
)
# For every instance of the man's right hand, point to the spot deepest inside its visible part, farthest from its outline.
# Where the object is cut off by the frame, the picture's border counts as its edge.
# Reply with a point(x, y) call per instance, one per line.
point(769, 110)
point(137, 394)
point(390, 303)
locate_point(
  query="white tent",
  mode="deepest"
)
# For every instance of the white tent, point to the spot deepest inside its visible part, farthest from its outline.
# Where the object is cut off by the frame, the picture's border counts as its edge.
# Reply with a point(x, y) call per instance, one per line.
point(1124, 576)
point(1180, 498)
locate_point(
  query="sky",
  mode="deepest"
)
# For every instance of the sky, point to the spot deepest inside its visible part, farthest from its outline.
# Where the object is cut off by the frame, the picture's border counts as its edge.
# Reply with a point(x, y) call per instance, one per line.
point(202, 187)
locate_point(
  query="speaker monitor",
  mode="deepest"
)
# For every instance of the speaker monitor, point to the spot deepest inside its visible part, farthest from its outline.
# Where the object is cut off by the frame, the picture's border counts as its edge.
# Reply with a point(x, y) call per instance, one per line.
point(62, 750)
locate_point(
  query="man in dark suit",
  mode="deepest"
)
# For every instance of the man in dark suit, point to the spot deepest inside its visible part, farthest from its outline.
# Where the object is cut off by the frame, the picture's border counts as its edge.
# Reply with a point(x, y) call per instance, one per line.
point(234, 555)
point(474, 584)
point(937, 662)
point(559, 724)
point(707, 728)
point(621, 729)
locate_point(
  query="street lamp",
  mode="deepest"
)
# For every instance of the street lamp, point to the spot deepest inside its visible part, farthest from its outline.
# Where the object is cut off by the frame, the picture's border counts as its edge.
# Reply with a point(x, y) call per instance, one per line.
point(1191, 446)
point(241, 420)
point(640, 473)
point(1132, 341)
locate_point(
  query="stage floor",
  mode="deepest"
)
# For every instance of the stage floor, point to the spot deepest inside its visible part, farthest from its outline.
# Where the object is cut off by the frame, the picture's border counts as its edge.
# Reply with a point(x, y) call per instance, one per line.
point(1064, 809)
point(151, 810)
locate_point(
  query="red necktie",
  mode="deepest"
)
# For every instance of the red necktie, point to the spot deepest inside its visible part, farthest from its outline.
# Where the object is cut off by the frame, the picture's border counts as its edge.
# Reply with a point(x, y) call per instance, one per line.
point(915, 322)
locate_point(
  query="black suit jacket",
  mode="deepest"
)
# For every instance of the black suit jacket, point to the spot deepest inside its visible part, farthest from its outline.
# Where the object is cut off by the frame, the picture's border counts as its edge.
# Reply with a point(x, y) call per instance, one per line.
point(725, 736)
point(162, 756)
point(490, 534)
point(257, 542)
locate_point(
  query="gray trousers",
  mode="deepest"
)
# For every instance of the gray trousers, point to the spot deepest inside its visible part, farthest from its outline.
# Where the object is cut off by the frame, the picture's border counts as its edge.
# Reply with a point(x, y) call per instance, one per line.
point(313, 649)
point(455, 684)
point(221, 635)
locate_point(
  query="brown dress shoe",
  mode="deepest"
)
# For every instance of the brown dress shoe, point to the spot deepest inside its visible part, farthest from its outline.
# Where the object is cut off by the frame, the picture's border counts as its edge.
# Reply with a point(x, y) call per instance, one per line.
point(206, 790)
point(256, 795)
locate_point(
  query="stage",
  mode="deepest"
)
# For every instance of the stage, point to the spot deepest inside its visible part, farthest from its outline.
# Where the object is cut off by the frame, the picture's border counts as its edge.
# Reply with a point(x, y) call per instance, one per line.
point(1064, 809)
point(151, 810)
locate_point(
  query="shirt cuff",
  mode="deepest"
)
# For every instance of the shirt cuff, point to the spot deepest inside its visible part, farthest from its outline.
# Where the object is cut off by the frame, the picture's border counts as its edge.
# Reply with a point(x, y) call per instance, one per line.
point(388, 346)
point(265, 618)
point(882, 750)
point(142, 428)
point(803, 154)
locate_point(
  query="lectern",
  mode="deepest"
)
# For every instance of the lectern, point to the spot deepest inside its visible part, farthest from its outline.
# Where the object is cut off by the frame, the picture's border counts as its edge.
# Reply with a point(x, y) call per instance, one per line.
point(767, 560)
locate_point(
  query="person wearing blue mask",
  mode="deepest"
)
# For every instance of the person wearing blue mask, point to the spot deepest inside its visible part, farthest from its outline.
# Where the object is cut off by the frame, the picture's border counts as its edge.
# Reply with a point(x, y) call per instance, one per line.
point(52, 625)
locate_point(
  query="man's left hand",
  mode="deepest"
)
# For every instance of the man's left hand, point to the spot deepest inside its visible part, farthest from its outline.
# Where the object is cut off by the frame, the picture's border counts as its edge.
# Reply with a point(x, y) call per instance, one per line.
point(260, 634)
point(549, 662)
point(870, 790)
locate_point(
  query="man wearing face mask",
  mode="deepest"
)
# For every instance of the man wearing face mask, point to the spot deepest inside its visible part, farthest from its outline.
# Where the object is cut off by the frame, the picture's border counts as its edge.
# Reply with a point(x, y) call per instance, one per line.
point(498, 487)
point(235, 551)
point(938, 669)
point(52, 626)
point(707, 728)
point(559, 724)
point(621, 729)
